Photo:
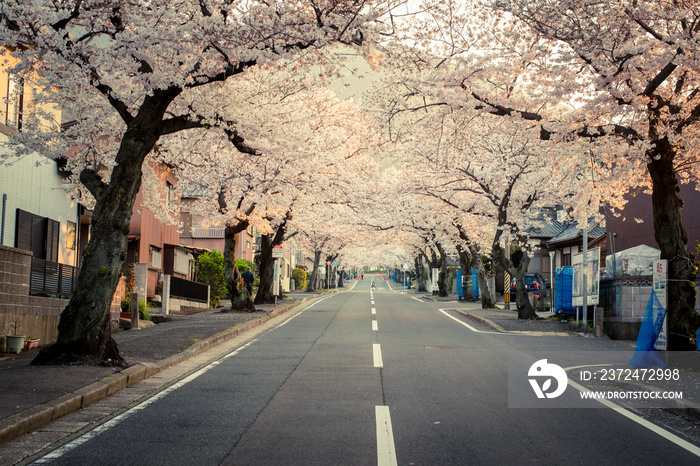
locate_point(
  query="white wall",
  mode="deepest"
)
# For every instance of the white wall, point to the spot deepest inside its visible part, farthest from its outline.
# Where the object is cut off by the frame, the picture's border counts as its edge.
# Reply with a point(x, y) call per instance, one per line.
point(33, 184)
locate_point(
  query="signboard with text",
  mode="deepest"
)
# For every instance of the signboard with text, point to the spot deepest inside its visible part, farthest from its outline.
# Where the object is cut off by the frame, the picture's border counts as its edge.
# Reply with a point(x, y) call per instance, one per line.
point(659, 281)
point(592, 278)
point(277, 252)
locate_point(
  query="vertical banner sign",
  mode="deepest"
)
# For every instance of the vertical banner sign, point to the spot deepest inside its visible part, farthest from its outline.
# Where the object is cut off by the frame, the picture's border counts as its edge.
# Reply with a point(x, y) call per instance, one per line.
point(276, 281)
point(659, 284)
point(593, 278)
point(436, 271)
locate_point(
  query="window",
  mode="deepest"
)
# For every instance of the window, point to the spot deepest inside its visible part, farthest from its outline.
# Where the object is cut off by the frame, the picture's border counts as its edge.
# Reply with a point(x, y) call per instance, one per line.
point(71, 235)
point(12, 102)
point(156, 259)
point(171, 197)
point(247, 244)
point(566, 259)
point(37, 234)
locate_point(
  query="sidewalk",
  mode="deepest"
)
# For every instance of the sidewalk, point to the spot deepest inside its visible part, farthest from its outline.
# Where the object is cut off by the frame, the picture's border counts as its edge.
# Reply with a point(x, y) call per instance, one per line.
point(36, 395)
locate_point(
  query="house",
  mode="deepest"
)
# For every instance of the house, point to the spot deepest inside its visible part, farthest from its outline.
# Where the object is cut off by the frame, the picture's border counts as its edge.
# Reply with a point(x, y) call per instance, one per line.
point(153, 243)
point(627, 231)
point(37, 214)
point(198, 233)
point(40, 232)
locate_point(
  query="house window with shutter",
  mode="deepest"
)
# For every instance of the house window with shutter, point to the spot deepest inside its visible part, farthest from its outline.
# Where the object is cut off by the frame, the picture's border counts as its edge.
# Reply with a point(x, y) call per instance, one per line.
point(37, 234)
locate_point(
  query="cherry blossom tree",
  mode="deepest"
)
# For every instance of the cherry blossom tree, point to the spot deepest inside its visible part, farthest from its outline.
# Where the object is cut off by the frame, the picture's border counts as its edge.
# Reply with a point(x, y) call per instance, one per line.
point(131, 73)
point(616, 79)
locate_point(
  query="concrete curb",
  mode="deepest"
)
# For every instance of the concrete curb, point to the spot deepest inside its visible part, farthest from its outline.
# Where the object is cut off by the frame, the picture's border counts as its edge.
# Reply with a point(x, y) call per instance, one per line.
point(33, 418)
point(497, 328)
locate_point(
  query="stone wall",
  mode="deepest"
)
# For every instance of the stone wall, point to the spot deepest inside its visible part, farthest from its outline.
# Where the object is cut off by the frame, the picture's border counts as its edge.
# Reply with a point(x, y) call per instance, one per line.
point(35, 316)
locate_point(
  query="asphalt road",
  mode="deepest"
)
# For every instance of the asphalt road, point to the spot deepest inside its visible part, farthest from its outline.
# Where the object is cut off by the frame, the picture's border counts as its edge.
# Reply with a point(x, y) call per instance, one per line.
point(375, 378)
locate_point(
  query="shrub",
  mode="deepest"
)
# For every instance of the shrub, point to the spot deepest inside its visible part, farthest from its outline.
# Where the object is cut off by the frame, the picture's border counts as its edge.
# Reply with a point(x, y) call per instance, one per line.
point(243, 264)
point(299, 276)
point(210, 271)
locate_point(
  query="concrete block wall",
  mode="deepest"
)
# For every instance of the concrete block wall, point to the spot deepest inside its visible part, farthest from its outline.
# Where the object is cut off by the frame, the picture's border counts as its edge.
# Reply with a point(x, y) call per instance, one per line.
point(38, 316)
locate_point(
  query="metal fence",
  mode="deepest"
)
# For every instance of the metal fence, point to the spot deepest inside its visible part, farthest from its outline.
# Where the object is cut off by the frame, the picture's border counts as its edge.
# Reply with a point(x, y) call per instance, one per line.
point(186, 289)
point(52, 278)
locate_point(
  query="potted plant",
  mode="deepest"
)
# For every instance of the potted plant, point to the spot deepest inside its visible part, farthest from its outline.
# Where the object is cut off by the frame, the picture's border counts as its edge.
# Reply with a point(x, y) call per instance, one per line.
point(30, 343)
point(13, 341)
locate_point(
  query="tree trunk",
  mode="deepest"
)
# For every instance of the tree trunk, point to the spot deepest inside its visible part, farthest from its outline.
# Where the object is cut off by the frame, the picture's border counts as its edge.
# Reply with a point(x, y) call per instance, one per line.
point(672, 238)
point(267, 266)
point(84, 329)
point(241, 300)
point(464, 263)
point(420, 271)
point(517, 271)
point(484, 293)
point(340, 279)
point(442, 275)
point(313, 281)
point(266, 271)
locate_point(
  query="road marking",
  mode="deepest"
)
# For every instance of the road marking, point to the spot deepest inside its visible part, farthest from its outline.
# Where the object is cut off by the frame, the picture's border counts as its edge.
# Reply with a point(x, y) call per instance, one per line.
point(642, 422)
point(372, 302)
point(386, 451)
point(419, 300)
point(377, 355)
point(374, 311)
point(375, 326)
point(140, 407)
point(467, 325)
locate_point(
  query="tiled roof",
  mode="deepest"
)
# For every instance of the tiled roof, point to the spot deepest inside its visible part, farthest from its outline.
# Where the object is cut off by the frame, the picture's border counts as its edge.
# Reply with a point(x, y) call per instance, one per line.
point(573, 231)
point(544, 225)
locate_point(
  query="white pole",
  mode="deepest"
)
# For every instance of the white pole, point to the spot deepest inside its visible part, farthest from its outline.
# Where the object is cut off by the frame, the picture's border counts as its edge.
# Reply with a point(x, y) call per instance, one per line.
point(551, 280)
point(585, 276)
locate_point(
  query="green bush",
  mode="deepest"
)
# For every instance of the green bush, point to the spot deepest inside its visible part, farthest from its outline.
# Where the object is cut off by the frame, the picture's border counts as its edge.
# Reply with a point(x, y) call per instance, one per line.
point(299, 276)
point(243, 264)
point(143, 308)
point(210, 271)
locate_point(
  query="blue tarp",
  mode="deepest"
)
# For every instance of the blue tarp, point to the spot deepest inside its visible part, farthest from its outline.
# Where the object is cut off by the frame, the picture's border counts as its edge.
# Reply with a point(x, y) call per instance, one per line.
point(460, 290)
point(563, 290)
point(475, 283)
point(644, 354)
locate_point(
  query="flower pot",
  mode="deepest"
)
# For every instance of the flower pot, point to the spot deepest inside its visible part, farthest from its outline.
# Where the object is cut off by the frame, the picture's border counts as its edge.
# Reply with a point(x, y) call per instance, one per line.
point(30, 344)
point(14, 343)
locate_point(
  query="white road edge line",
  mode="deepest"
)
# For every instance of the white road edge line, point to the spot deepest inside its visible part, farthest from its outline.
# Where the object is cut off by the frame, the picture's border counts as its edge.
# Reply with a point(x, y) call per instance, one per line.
point(386, 451)
point(469, 326)
point(377, 350)
point(642, 422)
point(140, 407)
point(375, 326)
point(417, 299)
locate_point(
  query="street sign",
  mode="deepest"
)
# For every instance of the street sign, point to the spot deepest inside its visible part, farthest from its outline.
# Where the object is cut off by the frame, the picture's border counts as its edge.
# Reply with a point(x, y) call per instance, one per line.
point(328, 262)
point(277, 252)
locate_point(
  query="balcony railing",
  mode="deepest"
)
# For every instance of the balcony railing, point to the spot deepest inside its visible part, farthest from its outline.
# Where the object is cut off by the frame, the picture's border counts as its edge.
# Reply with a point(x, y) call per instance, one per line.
point(52, 278)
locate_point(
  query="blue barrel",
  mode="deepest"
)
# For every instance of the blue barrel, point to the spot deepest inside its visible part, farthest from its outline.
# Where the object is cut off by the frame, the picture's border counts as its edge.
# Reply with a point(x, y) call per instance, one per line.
point(475, 283)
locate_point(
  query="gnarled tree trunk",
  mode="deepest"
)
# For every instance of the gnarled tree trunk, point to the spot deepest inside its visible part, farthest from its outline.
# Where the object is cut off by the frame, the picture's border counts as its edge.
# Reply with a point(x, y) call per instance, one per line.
point(420, 271)
point(682, 320)
point(484, 292)
point(313, 281)
point(442, 275)
point(464, 263)
point(516, 267)
point(267, 266)
point(241, 300)
point(84, 329)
